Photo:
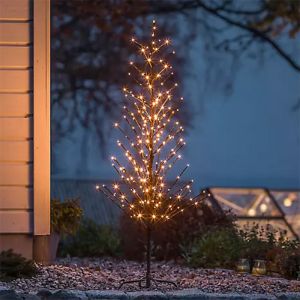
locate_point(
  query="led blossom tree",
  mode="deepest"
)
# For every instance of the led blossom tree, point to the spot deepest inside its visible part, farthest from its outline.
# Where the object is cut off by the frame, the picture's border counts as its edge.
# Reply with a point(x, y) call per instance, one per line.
point(152, 143)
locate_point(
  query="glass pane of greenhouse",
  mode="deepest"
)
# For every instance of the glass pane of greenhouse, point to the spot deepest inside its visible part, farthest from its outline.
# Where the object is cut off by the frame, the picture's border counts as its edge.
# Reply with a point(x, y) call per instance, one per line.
point(277, 209)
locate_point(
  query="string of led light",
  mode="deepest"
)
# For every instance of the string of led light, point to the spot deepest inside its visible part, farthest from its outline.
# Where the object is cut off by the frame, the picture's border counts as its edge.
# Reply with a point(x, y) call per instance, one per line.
point(153, 142)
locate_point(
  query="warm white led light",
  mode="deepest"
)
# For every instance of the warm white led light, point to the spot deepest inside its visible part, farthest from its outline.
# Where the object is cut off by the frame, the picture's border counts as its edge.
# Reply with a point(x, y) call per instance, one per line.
point(151, 142)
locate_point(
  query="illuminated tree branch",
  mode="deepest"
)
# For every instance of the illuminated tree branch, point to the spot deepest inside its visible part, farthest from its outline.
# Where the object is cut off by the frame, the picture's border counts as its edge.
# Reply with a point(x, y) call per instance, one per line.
point(150, 132)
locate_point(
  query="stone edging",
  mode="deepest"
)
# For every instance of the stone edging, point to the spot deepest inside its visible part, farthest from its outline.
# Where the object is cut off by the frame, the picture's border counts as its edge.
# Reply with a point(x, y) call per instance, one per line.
point(187, 294)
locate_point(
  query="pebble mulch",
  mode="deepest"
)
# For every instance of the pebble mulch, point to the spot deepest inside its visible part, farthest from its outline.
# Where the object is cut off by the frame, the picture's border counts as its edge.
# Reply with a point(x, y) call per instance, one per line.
point(105, 274)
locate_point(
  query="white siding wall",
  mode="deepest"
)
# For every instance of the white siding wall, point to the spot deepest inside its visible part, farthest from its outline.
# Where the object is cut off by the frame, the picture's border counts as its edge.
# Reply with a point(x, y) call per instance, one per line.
point(16, 116)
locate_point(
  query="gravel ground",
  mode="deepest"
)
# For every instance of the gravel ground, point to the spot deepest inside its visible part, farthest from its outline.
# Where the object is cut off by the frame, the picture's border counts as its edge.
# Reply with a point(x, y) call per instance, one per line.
point(105, 274)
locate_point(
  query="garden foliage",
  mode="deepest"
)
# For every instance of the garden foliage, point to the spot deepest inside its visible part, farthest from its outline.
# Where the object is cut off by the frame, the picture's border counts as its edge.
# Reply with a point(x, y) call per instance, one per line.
point(14, 265)
point(169, 238)
point(222, 247)
point(217, 248)
point(91, 240)
point(65, 216)
point(201, 237)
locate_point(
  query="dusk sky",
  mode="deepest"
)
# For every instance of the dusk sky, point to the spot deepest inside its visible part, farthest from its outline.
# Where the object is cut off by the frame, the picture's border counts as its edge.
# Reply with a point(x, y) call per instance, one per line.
point(249, 138)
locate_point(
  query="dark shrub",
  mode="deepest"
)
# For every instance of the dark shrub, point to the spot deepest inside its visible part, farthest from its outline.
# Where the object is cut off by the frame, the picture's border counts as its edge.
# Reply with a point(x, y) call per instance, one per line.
point(91, 240)
point(65, 216)
point(255, 244)
point(265, 243)
point(284, 257)
point(284, 261)
point(222, 247)
point(289, 264)
point(218, 248)
point(14, 265)
point(170, 237)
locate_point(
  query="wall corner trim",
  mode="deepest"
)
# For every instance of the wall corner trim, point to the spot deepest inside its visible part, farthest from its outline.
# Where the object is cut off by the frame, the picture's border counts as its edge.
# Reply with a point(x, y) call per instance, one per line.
point(41, 117)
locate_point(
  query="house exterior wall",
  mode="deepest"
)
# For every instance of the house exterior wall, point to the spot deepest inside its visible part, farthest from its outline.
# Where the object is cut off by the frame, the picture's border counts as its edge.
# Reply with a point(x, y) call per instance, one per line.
point(24, 123)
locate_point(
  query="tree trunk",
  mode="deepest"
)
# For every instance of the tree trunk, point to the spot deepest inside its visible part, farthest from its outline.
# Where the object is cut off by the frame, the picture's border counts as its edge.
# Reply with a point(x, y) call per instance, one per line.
point(148, 257)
